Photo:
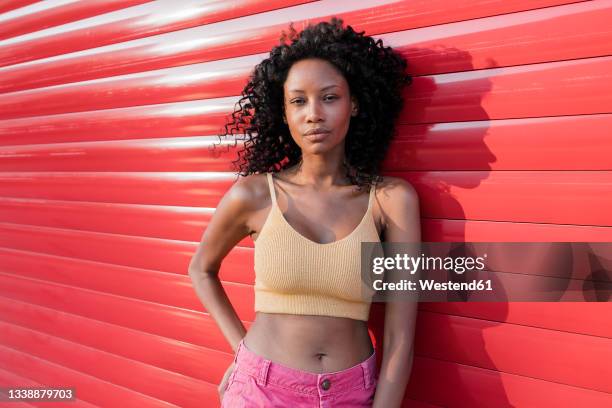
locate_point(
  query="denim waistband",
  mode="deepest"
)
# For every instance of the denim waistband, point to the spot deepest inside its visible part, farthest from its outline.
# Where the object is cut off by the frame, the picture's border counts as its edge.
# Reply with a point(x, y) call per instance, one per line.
point(265, 371)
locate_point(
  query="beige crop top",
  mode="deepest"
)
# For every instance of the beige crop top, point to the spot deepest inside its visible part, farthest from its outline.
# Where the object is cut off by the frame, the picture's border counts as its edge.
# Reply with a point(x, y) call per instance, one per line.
point(296, 275)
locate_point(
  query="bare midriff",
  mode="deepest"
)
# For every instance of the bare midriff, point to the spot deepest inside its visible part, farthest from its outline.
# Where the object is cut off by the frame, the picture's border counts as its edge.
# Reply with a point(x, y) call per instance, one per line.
point(316, 344)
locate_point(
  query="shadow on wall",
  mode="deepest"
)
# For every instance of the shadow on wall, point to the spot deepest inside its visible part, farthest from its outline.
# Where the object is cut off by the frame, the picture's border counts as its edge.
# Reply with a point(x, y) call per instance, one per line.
point(442, 373)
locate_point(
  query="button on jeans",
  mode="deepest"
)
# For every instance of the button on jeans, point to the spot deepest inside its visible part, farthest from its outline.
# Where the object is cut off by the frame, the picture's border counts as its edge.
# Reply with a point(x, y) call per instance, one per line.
point(259, 382)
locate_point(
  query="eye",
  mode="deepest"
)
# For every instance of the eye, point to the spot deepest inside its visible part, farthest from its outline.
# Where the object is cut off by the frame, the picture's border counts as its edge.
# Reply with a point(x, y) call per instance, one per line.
point(296, 101)
point(330, 97)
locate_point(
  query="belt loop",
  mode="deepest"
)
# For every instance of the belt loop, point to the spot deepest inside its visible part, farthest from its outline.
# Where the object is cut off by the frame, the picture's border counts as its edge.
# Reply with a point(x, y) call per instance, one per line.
point(262, 378)
point(367, 376)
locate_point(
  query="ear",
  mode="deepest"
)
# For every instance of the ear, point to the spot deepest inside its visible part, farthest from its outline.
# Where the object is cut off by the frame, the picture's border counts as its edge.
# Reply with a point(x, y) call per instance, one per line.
point(354, 106)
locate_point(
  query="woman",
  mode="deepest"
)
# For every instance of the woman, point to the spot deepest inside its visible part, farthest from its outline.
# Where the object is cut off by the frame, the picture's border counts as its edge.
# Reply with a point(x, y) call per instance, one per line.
point(320, 115)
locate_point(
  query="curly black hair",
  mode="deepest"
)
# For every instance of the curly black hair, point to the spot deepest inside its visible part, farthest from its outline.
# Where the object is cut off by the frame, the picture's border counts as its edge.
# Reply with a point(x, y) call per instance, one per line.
point(375, 75)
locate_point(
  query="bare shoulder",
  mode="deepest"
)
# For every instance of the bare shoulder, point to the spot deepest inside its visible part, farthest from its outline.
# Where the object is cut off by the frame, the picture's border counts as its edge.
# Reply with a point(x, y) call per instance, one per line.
point(396, 189)
point(248, 191)
point(229, 224)
point(246, 185)
point(398, 200)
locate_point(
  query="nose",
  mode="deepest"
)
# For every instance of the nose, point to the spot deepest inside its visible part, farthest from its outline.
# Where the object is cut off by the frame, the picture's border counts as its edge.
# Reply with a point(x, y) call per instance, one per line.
point(315, 112)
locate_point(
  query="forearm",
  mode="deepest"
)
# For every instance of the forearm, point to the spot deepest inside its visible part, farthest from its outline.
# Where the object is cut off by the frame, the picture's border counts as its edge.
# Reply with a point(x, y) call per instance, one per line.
point(394, 373)
point(212, 295)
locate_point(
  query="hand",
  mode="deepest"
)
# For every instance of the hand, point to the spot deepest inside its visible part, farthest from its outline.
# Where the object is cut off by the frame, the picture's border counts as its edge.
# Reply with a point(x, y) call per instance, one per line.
point(224, 380)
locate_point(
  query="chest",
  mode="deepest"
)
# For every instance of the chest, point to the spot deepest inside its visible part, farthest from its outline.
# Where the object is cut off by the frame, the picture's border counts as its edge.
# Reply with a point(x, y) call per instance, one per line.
point(321, 223)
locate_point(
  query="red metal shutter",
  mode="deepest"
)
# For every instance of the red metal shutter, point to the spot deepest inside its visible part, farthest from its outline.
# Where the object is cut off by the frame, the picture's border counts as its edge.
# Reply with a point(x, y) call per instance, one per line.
point(107, 112)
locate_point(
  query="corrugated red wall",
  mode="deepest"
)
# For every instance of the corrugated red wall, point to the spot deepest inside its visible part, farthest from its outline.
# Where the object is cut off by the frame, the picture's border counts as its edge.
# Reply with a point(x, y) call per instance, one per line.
point(107, 112)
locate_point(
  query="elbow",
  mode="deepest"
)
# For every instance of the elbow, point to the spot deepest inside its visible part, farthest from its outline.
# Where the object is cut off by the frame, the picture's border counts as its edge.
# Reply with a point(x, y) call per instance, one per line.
point(199, 272)
point(194, 269)
point(197, 276)
point(191, 272)
point(200, 267)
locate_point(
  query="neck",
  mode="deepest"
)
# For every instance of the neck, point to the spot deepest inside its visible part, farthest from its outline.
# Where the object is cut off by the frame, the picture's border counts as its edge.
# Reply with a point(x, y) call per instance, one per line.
point(320, 172)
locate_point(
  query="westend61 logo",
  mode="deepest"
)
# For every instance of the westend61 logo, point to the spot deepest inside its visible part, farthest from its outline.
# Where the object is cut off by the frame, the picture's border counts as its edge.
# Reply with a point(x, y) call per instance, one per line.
point(412, 265)
point(427, 263)
point(487, 271)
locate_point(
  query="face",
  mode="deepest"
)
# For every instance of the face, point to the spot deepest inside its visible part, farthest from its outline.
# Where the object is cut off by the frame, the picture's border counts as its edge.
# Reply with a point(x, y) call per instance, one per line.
point(317, 98)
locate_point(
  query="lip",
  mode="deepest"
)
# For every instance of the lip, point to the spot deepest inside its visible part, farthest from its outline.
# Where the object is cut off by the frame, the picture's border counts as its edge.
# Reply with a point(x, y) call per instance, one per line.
point(319, 129)
point(317, 137)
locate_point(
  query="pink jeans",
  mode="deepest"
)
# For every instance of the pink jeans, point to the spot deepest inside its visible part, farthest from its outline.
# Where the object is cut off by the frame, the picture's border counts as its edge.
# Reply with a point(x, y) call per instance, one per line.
point(259, 382)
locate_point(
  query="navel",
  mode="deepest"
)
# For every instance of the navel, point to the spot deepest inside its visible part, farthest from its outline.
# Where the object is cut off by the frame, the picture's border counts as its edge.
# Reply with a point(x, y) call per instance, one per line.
point(320, 356)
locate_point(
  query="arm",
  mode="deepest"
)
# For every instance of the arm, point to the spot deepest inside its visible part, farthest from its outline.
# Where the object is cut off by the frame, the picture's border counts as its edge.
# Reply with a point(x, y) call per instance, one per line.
point(226, 228)
point(400, 206)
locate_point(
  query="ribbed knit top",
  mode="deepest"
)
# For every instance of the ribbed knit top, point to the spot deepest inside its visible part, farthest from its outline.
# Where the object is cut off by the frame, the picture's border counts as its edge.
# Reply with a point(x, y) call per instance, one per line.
point(296, 275)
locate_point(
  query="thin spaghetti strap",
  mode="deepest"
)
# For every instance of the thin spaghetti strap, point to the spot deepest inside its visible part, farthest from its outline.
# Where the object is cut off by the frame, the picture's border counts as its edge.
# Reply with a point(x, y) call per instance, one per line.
point(372, 194)
point(271, 185)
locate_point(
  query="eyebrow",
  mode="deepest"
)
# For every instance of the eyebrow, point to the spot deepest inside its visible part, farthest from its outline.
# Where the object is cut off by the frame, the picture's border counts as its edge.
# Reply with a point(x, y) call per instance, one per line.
point(322, 89)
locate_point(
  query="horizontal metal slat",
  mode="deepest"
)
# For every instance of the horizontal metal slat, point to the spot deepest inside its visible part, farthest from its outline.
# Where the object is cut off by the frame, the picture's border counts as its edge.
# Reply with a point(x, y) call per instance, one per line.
point(257, 33)
point(590, 318)
point(444, 383)
point(174, 323)
point(189, 223)
point(507, 36)
point(8, 5)
point(545, 143)
point(577, 87)
point(153, 286)
point(177, 291)
point(445, 334)
point(548, 89)
point(167, 289)
point(90, 389)
point(89, 299)
point(151, 18)
point(519, 196)
point(194, 118)
point(551, 143)
point(9, 379)
point(165, 154)
point(208, 80)
point(531, 196)
point(572, 31)
point(447, 230)
point(203, 189)
point(54, 15)
point(137, 252)
point(187, 359)
point(176, 223)
point(521, 350)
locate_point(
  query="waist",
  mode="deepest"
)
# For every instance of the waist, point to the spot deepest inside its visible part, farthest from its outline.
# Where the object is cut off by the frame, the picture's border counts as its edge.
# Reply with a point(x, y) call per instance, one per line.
point(312, 304)
point(310, 343)
point(361, 376)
